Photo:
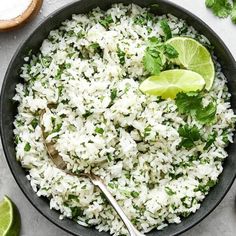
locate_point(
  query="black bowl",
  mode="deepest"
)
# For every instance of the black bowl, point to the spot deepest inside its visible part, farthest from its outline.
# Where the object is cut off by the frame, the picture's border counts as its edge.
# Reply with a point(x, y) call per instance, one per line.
point(8, 111)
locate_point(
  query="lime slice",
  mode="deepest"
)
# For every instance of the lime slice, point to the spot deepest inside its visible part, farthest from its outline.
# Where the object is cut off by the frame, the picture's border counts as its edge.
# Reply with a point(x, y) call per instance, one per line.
point(171, 82)
point(9, 218)
point(194, 56)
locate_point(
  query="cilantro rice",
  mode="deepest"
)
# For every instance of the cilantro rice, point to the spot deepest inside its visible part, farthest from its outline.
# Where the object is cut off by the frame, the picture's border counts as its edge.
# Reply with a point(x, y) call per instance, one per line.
point(91, 68)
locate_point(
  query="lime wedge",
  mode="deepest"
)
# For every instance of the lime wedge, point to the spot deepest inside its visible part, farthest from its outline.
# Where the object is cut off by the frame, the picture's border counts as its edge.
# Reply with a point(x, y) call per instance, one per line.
point(194, 56)
point(171, 82)
point(9, 218)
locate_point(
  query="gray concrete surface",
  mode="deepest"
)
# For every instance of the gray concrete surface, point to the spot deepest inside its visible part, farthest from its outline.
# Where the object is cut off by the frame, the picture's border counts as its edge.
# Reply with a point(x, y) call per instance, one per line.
point(222, 222)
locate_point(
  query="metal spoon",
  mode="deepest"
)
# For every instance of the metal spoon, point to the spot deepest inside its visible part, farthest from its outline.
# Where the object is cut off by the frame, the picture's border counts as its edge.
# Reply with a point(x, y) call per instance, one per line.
point(96, 180)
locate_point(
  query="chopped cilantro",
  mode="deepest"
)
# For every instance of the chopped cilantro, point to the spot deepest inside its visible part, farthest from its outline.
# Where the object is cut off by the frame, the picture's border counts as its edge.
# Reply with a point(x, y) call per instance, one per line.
point(109, 157)
point(99, 130)
point(127, 175)
point(147, 131)
point(106, 21)
point(169, 191)
point(175, 176)
point(87, 114)
point(113, 94)
point(60, 88)
point(67, 66)
point(76, 212)
point(17, 139)
point(60, 71)
point(189, 135)
point(112, 185)
point(34, 123)
point(225, 138)
point(134, 194)
point(140, 20)
point(73, 197)
point(27, 147)
point(166, 29)
point(95, 48)
point(220, 8)
point(205, 188)
point(211, 139)
point(143, 19)
point(57, 128)
point(121, 56)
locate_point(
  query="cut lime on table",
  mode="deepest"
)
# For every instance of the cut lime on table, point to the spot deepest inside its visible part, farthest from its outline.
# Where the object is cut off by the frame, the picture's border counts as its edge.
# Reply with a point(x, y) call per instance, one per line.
point(171, 82)
point(9, 218)
point(194, 56)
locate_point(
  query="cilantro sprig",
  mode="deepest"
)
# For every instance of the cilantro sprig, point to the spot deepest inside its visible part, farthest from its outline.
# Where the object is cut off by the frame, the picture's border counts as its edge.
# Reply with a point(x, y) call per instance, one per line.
point(222, 8)
point(157, 55)
point(191, 103)
point(233, 13)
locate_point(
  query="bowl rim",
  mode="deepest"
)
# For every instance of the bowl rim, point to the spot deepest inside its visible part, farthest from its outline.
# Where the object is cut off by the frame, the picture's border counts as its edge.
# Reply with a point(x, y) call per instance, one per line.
point(52, 15)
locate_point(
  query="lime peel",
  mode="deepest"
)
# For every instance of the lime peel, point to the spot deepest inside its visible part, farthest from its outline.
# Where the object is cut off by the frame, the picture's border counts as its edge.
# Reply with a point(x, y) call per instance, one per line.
point(194, 56)
point(9, 218)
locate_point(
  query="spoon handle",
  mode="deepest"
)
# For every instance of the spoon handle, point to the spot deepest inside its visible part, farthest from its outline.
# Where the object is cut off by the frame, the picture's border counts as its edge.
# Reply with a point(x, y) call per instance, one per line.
point(98, 182)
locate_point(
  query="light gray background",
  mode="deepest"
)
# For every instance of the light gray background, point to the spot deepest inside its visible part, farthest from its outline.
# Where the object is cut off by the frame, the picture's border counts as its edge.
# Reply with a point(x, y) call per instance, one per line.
point(222, 222)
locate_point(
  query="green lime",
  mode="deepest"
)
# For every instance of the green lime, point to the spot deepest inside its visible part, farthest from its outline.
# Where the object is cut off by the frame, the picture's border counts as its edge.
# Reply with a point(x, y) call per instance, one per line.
point(194, 56)
point(10, 223)
point(171, 82)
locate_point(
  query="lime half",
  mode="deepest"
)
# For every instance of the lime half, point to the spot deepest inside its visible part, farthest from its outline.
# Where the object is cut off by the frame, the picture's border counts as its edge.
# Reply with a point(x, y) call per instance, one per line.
point(9, 218)
point(194, 56)
point(171, 82)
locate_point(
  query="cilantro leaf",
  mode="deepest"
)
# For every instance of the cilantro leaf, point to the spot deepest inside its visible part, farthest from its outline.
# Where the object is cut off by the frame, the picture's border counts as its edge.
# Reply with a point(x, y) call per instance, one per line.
point(220, 8)
point(188, 102)
point(206, 115)
point(106, 21)
point(170, 51)
point(233, 13)
point(189, 135)
point(166, 29)
point(191, 103)
point(152, 64)
point(211, 139)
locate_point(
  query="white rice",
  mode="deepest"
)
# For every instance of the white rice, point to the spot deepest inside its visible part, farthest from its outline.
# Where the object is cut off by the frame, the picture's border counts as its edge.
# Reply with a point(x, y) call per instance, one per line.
point(137, 167)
